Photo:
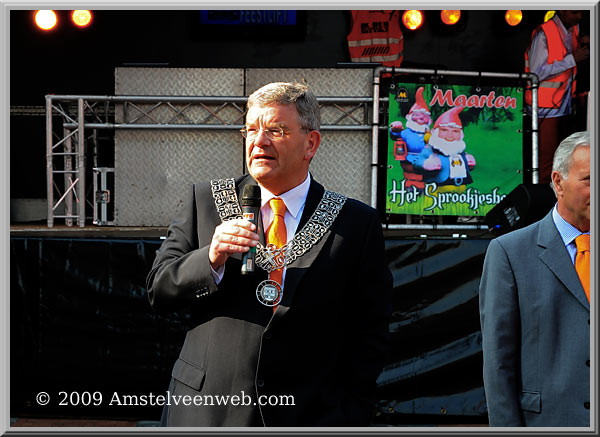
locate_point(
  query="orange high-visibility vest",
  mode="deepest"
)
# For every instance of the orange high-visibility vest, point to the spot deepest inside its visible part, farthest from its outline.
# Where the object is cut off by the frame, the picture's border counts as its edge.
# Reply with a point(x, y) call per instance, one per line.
point(376, 36)
point(551, 91)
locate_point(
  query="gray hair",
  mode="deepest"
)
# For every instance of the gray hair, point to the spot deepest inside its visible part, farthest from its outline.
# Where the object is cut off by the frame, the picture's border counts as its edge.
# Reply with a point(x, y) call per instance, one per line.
point(284, 93)
point(564, 153)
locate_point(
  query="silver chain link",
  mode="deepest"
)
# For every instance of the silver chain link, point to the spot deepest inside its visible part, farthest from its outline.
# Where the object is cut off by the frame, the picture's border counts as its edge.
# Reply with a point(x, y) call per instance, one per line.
point(270, 257)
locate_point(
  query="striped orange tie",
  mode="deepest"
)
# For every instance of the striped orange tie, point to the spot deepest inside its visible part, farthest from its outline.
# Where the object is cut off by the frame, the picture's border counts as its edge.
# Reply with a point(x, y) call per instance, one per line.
point(582, 262)
point(277, 234)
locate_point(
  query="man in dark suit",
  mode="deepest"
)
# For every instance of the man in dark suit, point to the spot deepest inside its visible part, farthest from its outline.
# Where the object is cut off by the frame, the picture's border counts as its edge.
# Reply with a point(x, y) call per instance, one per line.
point(535, 308)
point(311, 358)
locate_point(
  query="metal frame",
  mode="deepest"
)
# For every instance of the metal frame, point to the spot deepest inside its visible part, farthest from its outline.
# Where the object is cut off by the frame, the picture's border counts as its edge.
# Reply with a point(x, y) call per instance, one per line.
point(375, 164)
point(96, 112)
point(101, 213)
point(87, 112)
point(74, 177)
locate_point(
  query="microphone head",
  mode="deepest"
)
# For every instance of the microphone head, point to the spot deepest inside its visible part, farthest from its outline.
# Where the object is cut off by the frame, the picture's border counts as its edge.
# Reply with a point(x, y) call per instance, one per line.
point(251, 196)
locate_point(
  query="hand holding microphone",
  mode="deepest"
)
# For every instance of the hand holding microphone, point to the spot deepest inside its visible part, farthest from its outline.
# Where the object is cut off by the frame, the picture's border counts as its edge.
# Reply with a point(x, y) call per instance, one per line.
point(238, 236)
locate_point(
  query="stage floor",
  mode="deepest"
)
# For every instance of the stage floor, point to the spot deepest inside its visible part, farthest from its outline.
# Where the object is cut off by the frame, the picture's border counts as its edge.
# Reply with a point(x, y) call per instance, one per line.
point(92, 231)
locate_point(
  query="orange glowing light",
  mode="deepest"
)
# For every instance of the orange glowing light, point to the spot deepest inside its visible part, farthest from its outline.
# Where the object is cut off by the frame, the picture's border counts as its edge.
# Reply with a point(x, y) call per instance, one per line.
point(513, 17)
point(549, 15)
point(412, 19)
point(45, 19)
point(450, 17)
point(81, 18)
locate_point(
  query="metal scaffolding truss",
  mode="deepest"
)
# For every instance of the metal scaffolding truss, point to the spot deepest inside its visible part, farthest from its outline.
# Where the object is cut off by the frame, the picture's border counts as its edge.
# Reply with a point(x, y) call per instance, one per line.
point(79, 115)
point(72, 154)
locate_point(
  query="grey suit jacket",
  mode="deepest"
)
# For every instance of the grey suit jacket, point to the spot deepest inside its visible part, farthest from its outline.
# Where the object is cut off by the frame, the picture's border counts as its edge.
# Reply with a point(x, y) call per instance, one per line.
point(535, 326)
point(322, 349)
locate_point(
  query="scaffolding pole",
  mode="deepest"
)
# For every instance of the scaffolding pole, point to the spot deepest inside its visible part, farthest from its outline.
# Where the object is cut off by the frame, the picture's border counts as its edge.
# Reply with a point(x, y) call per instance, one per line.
point(376, 87)
point(49, 163)
point(99, 117)
point(78, 125)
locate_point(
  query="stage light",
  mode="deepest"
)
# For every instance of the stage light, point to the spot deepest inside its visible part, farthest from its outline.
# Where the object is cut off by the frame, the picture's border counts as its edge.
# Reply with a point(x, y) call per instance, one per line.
point(450, 17)
point(45, 19)
point(513, 17)
point(81, 18)
point(549, 15)
point(412, 19)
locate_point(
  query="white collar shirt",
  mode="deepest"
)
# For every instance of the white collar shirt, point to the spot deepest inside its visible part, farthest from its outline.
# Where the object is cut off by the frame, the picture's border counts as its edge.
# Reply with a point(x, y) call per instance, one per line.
point(294, 200)
point(568, 233)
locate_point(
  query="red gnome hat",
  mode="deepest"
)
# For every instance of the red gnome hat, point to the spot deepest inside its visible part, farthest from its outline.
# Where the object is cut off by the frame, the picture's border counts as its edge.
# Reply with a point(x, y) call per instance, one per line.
point(420, 103)
point(450, 118)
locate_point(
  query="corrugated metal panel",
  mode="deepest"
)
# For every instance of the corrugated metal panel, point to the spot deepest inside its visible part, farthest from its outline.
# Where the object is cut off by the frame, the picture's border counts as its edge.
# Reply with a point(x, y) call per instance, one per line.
point(179, 81)
point(323, 81)
point(154, 168)
point(342, 163)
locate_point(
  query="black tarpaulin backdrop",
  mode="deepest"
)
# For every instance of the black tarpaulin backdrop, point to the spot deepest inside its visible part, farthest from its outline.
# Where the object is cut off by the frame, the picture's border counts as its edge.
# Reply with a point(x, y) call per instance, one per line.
point(81, 322)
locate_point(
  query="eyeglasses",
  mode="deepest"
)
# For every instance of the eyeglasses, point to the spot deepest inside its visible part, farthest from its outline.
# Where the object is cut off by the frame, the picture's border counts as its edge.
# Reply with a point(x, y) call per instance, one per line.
point(272, 133)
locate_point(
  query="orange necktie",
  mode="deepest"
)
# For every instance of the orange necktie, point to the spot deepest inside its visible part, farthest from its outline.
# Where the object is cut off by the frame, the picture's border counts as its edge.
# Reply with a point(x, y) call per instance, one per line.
point(277, 234)
point(582, 262)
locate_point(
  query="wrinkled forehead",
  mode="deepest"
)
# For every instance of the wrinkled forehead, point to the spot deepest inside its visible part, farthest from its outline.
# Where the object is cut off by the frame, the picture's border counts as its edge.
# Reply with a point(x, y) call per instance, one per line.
point(580, 158)
point(273, 114)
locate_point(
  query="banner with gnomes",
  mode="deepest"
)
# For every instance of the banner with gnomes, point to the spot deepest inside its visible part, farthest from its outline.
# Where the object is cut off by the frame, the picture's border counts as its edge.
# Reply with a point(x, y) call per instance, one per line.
point(453, 149)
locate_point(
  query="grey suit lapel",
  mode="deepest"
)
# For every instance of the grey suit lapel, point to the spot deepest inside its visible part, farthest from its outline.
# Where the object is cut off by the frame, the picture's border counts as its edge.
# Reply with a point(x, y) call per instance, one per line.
point(555, 255)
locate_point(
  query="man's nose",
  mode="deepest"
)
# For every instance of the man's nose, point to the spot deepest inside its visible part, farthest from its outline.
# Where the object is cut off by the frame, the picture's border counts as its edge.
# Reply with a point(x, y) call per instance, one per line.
point(261, 139)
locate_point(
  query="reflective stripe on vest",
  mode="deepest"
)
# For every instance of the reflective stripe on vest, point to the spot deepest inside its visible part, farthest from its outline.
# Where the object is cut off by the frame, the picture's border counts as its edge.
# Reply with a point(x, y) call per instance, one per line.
point(368, 42)
point(551, 91)
point(376, 36)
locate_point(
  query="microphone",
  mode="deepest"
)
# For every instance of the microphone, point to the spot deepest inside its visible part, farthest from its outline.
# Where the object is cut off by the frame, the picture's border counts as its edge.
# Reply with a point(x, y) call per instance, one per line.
point(250, 208)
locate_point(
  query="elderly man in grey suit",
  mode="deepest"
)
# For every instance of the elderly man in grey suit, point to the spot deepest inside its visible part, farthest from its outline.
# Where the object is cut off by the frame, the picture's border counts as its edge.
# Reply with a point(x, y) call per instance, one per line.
point(302, 341)
point(535, 308)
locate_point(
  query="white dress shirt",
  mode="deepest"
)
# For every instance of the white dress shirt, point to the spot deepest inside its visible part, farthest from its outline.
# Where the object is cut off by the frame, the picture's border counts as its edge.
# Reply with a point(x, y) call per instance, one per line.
point(294, 200)
point(567, 232)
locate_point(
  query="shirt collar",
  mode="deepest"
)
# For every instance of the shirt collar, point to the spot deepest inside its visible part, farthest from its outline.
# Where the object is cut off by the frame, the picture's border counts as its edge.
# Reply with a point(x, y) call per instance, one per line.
point(558, 22)
point(564, 32)
point(294, 199)
point(567, 231)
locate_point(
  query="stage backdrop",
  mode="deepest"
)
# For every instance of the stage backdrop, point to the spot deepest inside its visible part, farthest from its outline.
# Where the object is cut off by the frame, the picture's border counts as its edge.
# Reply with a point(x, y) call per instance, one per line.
point(427, 173)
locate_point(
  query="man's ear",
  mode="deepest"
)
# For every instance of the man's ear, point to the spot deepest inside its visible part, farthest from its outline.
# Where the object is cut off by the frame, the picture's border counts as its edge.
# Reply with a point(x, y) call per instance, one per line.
point(557, 181)
point(313, 140)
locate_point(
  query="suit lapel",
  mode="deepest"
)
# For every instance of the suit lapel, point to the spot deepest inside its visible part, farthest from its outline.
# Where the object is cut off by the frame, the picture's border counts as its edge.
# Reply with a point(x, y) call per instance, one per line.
point(313, 198)
point(297, 269)
point(555, 255)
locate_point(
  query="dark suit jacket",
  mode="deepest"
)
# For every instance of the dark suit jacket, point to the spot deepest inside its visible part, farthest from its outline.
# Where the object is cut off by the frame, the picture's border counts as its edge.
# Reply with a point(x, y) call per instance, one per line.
point(324, 346)
point(536, 335)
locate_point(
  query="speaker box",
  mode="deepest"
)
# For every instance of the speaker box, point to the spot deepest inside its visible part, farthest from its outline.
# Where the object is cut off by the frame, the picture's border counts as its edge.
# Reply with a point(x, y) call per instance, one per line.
point(526, 204)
